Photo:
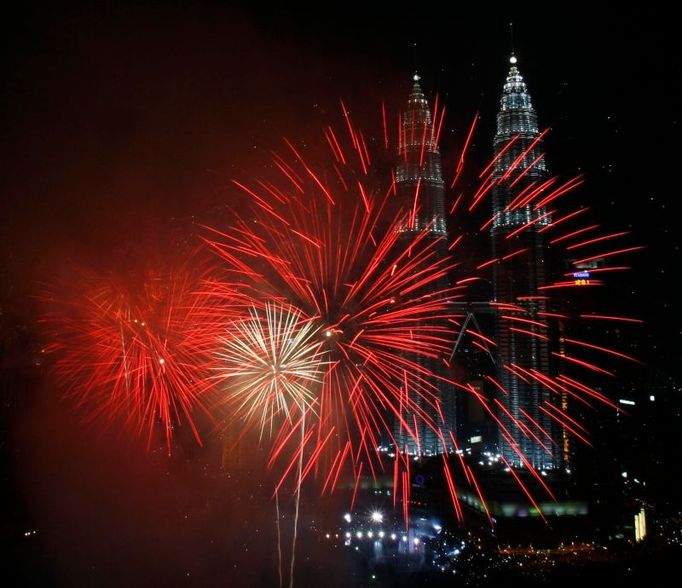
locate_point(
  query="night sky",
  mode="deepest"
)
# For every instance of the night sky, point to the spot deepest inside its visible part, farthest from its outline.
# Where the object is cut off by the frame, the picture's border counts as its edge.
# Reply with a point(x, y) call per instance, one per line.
point(122, 125)
point(120, 117)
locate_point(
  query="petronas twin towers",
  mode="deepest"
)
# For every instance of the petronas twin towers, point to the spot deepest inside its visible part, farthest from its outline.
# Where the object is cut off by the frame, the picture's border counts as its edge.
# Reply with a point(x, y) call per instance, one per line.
point(519, 162)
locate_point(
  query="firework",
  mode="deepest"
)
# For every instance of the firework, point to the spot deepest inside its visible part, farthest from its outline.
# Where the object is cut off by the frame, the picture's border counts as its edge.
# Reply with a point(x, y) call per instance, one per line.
point(130, 354)
point(270, 365)
point(336, 250)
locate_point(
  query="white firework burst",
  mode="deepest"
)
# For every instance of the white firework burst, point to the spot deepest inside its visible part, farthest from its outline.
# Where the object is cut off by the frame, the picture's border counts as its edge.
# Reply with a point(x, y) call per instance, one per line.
point(271, 363)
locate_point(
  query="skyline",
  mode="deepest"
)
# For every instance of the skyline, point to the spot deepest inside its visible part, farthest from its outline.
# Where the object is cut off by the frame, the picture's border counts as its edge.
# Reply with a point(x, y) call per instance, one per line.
point(128, 140)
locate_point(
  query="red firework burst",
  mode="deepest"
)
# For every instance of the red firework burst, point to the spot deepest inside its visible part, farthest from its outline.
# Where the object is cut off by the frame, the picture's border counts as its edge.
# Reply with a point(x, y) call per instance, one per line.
point(131, 354)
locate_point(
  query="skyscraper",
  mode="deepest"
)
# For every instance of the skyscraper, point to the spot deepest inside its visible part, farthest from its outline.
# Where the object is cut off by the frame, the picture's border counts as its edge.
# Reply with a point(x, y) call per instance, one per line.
point(419, 167)
point(421, 190)
point(518, 277)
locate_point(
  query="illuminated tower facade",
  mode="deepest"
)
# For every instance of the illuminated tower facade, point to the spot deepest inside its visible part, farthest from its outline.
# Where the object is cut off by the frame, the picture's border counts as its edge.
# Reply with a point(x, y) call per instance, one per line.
point(421, 191)
point(518, 278)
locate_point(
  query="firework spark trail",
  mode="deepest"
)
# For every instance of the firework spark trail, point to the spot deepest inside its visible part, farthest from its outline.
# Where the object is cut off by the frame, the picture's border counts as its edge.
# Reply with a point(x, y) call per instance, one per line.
point(279, 540)
point(298, 499)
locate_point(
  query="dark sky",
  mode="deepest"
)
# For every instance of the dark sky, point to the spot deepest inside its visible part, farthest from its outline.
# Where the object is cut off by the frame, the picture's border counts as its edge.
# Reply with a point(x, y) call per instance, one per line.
point(121, 123)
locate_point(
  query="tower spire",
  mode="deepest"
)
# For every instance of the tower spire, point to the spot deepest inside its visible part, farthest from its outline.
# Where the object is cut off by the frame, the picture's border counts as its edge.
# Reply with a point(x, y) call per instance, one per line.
point(417, 93)
point(415, 61)
point(419, 170)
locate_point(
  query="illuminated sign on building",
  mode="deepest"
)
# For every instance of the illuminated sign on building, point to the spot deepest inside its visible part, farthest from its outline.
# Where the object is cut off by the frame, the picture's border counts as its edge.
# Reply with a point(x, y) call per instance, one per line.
point(581, 278)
